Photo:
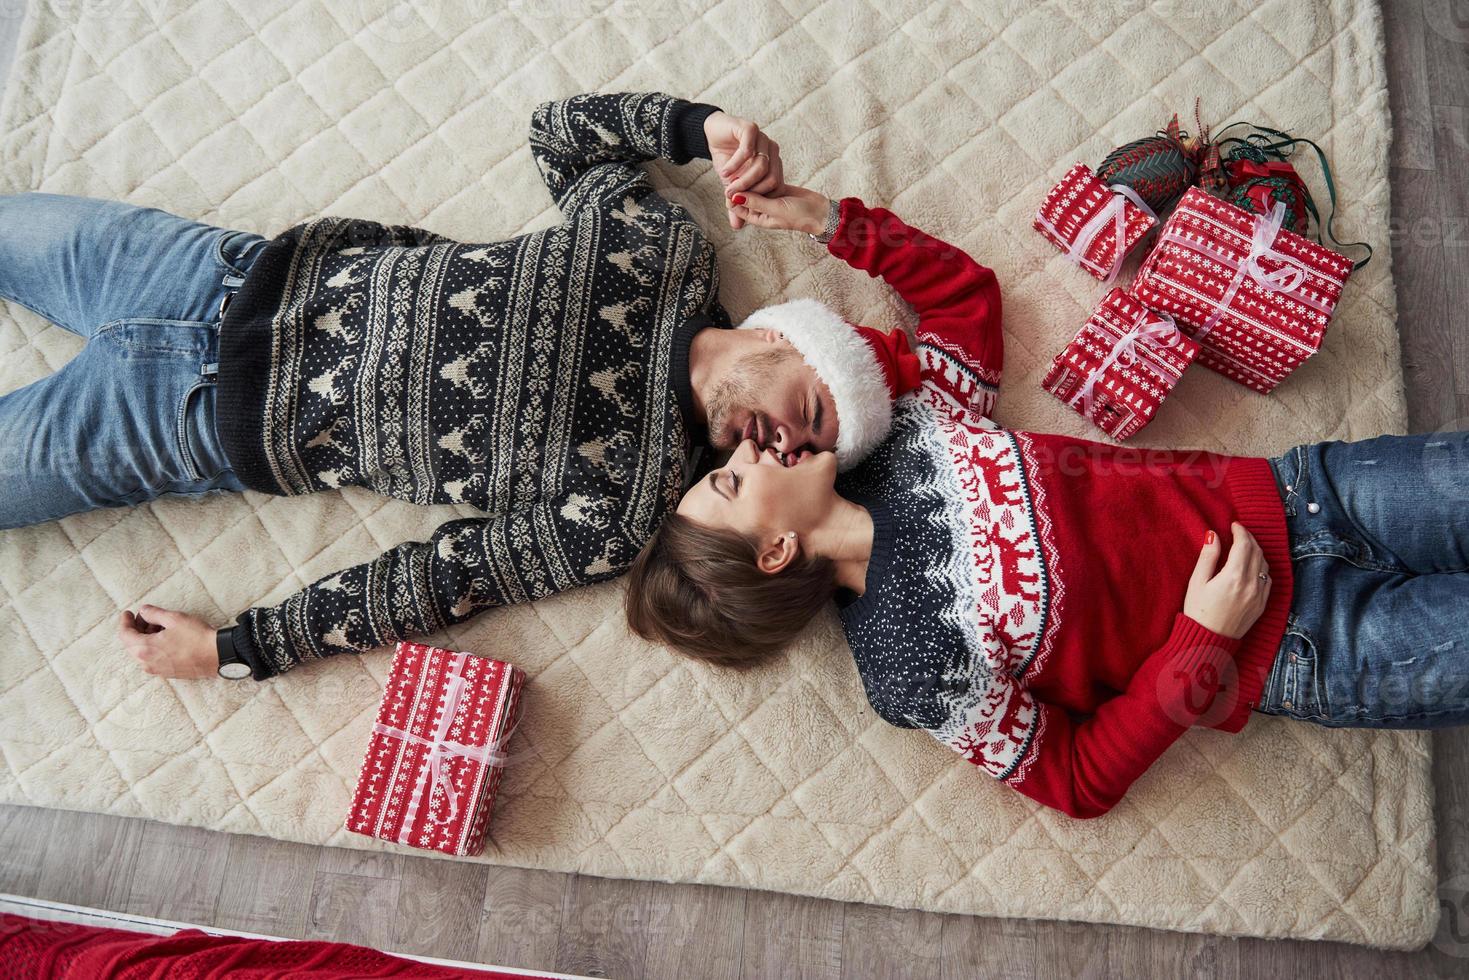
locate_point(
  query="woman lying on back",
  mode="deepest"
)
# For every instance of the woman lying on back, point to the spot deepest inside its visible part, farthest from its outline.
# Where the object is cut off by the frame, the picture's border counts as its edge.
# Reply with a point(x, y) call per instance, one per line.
point(1060, 611)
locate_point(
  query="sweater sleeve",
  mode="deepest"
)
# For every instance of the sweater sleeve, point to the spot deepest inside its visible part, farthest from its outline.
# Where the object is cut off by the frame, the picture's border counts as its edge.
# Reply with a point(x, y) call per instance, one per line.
point(423, 586)
point(363, 232)
point(960, 345)
point(588, 147)
point(1083, 767)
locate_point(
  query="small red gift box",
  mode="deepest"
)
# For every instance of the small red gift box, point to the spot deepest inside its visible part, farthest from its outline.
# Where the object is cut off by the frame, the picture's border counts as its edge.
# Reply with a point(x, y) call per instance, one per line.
point(434, 760)
point(1257, 297)
point(1095, 225)
point(1122, 364)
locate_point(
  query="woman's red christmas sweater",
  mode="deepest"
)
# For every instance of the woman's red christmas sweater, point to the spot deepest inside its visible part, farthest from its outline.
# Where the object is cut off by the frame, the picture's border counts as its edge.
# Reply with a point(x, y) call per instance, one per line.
point(1023, 602)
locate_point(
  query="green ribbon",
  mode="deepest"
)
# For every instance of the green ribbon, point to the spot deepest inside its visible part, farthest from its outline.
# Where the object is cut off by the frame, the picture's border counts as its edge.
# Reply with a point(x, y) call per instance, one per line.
point(1258, 147)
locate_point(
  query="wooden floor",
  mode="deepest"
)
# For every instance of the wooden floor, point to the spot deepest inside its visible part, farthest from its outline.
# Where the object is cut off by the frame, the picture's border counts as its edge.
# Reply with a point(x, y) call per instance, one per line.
point(575, 924)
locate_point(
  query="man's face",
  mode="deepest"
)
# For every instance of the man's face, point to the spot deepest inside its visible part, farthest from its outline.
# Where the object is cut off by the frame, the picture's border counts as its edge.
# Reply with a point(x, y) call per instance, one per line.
point(771, 395)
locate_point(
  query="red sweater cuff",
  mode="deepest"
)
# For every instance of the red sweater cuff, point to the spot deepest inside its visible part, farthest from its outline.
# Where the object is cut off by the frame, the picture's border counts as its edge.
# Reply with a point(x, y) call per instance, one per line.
point(1191, 672)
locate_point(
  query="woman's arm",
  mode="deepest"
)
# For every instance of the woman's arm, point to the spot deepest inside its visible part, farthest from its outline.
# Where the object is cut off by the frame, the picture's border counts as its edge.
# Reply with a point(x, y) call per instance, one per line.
point(960, 343)
point(1084, 766)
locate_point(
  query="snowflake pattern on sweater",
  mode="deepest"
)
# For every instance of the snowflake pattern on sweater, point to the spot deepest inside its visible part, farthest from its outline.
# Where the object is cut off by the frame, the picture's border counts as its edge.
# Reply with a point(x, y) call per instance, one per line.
point(541, 380)
point(962, 517)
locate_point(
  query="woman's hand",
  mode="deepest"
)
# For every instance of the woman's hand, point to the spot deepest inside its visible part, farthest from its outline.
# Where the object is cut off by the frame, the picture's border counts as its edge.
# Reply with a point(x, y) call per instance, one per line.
point(798, 209)
point(169, 643)
point(744, 157)
point(1230, 601)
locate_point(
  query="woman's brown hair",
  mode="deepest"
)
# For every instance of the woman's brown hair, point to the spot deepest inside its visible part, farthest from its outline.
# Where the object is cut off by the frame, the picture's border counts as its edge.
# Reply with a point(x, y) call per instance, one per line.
point(698, 590)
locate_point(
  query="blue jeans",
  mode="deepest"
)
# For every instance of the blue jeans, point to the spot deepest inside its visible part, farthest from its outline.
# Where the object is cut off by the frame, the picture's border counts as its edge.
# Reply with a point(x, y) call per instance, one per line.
point(1378, 633)
point(131, 417)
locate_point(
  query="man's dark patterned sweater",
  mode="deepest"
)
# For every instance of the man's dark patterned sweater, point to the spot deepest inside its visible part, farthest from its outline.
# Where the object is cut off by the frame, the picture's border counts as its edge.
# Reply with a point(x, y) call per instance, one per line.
point(542, 380)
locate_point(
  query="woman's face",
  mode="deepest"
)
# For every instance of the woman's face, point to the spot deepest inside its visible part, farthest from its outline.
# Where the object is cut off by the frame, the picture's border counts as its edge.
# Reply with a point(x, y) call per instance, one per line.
point(760, 498)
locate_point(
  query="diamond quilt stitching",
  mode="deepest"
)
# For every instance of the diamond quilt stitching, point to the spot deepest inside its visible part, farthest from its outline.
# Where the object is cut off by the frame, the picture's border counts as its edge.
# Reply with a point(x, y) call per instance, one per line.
point(915, 135)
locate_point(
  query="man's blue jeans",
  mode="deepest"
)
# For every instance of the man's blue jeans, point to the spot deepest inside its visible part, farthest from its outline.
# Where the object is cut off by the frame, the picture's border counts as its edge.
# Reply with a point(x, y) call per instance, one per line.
point(131, 417)
point(1378, 633)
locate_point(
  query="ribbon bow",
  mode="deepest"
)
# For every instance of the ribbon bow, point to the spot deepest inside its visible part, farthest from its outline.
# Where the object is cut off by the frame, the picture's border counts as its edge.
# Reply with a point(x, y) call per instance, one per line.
point(1287, 278)
point(1124, 352)
point(1115, 211)
point(440, 747)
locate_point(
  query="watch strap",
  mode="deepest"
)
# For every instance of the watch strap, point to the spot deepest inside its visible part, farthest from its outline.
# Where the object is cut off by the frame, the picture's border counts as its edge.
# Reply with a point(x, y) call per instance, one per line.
point(224, 645)
point(833, 218)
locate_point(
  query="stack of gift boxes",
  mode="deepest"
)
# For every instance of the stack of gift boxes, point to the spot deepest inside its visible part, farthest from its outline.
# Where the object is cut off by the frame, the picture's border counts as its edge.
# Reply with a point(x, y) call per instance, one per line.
point(1233, 290)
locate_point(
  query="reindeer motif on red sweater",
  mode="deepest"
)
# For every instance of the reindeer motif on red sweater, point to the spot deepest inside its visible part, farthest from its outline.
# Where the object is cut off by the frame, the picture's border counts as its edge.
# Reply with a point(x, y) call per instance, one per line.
point(996, 728)
point(1000, 478)
point(1014, 582)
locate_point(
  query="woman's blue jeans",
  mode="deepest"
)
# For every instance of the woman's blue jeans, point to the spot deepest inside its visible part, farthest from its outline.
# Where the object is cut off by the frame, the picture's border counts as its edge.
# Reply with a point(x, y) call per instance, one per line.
point(131, 417)
point(1378, 633)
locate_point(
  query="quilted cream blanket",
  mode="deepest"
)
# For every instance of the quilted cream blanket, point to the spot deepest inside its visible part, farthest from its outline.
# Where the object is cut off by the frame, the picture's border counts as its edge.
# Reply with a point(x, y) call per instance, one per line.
point(630, 762)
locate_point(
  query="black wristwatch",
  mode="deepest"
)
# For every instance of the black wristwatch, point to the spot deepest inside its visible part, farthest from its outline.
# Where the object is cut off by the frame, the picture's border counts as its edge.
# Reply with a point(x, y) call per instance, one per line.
point(231, 665)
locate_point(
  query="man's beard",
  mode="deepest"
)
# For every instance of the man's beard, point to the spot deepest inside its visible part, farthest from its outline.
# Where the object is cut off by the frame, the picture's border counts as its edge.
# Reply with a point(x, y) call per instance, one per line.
point(735, 396)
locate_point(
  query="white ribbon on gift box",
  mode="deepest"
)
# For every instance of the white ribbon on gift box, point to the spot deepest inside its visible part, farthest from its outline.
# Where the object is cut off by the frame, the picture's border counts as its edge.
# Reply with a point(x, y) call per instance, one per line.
point(1115, 211)
point(439, 746)
point(1285, 279)
point(1124, 352)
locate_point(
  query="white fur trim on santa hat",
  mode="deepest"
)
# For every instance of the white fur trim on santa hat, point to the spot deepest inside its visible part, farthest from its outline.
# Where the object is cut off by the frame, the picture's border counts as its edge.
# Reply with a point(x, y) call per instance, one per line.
point(845, 362)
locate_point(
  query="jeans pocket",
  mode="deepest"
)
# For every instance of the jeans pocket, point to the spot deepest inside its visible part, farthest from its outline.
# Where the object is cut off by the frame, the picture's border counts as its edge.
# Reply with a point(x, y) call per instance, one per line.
point(235, 251)
point(1302, 695)
point(152, 338)
point(192, 448)
point(1291, 474)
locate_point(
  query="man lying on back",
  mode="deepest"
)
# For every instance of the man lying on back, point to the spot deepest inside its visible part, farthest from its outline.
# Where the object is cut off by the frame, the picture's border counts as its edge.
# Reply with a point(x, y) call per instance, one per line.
point(559, 382)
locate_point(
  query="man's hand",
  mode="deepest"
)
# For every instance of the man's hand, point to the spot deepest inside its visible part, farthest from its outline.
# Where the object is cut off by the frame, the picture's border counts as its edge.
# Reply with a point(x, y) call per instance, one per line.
point(798, 209)
point(169, 643)
point(744, 157)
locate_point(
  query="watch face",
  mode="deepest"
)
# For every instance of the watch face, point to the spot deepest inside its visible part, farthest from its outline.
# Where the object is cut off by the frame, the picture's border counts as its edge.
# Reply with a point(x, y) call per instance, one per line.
point(234, 670)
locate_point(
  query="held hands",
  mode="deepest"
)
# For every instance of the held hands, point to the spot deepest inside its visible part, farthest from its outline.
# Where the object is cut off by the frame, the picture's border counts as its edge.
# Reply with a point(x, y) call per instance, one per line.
point(797, 209)
point(169, 643)
point(1229, 601)
point(744, 157)
point(748, 163)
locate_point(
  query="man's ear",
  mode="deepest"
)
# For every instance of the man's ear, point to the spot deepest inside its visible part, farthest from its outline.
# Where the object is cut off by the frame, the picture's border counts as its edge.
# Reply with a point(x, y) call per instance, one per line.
point(778, 553)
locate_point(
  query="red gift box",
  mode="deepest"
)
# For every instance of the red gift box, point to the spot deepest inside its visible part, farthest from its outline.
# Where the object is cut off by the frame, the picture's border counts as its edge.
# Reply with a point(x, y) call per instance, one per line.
point(436, 753)
point(1095, 225)
point(1257, 297)
point(1122, 364)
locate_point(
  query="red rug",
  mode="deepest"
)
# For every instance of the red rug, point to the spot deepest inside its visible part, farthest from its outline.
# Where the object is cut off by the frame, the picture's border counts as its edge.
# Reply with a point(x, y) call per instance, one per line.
point(37, 949)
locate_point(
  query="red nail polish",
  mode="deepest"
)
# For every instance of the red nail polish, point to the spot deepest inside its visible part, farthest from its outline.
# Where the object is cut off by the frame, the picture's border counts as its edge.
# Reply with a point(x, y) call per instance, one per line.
point(1208, 537)
point(739, 199)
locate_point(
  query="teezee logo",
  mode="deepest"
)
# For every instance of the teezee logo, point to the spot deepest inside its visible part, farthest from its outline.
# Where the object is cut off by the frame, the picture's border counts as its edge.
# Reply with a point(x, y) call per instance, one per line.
point(1203, 692)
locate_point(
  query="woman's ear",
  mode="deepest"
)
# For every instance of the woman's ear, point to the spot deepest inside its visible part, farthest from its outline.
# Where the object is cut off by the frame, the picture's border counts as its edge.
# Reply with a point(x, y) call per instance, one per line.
point(777, 553)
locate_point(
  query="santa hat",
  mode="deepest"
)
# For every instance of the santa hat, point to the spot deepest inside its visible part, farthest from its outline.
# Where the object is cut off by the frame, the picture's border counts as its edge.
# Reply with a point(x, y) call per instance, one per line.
point(865, 369)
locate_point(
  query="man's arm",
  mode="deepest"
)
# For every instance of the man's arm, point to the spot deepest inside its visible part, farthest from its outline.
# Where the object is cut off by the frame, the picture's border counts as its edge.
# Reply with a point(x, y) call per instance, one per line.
point(417, 587)
point(588, 147)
